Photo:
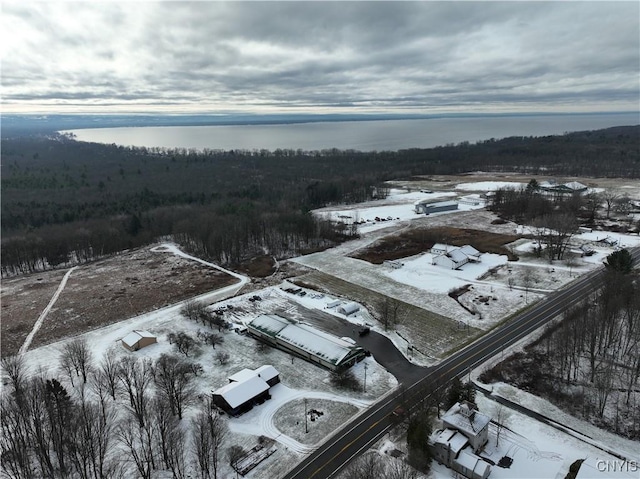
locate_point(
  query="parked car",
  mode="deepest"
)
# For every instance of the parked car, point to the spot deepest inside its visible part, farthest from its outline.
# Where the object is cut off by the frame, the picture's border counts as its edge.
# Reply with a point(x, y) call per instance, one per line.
point(363, 331)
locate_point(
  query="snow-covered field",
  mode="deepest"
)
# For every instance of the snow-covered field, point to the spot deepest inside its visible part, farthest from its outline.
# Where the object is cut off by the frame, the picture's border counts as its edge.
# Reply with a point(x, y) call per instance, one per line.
point(496, 290)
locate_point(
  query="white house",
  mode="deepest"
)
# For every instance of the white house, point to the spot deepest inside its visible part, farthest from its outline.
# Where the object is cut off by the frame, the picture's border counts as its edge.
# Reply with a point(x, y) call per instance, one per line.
point(451, 448)
point(464, 418)
point(465, 432)
point(452, 257)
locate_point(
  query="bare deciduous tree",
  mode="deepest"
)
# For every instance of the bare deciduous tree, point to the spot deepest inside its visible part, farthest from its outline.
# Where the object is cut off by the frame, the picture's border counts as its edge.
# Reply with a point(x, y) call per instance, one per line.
point(106, 376)
point(367, 466)
point(136, 378)
point(136, 440)
point(183, 341)
point(234, 454)
point(92, 436)
point(170, 438)
point(209, 431)
point(173, 378)
point(222, 357)
point(76, 354)
point(211, 338)
point(16, 368)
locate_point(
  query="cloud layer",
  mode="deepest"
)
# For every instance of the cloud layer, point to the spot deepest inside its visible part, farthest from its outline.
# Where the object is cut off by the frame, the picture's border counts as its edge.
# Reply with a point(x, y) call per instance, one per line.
point(417, 57)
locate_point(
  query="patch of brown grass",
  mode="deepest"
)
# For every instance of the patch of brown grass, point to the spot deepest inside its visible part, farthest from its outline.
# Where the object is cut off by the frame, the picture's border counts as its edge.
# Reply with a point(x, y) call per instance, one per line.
point(259, 266)
point(420, 240)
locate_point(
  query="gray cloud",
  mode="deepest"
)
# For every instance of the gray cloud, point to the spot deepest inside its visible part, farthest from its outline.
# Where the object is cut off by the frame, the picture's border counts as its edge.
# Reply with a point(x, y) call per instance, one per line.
point(270, 56)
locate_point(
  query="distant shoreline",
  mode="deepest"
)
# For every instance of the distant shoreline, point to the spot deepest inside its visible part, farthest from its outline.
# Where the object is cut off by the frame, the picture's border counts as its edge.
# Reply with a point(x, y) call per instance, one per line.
point(372, 134)
point(65, 122)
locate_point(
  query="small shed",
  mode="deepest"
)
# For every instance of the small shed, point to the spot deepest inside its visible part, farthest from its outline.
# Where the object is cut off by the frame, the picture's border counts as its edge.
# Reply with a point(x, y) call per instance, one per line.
point(138, 339)
point(348, 309)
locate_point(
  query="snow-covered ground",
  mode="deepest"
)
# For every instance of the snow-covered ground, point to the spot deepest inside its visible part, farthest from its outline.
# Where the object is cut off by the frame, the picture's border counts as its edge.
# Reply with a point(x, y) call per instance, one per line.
point(496, 290)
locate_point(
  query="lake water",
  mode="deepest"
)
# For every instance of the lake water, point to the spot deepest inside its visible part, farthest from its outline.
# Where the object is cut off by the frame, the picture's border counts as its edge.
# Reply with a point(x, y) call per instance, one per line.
point(358, 135)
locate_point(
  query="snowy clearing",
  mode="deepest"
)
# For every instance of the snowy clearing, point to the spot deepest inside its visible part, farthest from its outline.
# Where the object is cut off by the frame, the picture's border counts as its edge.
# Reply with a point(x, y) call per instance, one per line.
point(496, 288)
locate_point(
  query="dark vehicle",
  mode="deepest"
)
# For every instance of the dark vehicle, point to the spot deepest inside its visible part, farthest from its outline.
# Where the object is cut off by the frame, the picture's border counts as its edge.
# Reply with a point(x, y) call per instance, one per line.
point(398, 412)
point(364, 331)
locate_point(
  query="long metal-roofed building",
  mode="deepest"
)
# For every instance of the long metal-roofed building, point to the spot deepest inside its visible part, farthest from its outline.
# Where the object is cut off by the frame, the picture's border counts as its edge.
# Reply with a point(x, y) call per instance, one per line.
point(306, 342)
point(424, 207)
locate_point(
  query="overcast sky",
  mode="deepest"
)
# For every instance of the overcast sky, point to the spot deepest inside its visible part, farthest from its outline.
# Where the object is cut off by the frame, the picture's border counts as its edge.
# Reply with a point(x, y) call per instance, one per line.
point(320, 57)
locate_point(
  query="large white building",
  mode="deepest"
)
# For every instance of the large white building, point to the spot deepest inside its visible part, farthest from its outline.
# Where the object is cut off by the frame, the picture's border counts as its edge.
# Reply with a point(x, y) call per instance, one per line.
point(305, 341)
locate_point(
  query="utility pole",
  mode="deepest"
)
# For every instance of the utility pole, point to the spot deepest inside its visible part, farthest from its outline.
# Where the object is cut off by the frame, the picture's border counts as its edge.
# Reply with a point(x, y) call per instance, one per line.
point(365, 377)
point(306, 425)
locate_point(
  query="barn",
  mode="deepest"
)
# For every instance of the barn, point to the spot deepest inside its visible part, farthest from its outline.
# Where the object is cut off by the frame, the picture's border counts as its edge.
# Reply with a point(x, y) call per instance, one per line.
point(306, 342)
point(138, 339)
point(238, 397)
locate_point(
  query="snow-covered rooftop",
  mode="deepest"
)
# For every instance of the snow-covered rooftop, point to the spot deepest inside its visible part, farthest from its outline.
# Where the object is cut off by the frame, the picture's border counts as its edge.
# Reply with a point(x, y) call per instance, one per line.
point(324, 345)
point(242, 375)
point(134, 336)
point(270, 323)
point(237, 393)
point(469, 421)
point(472, 462)
point(454, 439)
point(321, 344)
point(267, 372)
point(442, 204)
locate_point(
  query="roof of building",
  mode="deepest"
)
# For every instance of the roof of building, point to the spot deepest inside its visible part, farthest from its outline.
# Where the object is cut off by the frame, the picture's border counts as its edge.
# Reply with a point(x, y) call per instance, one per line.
point(466, 419)
point(242, 375)
point(441, 204)
point(472, 462)
point(576, 185)
point(267, 372)
point(469, 250)
point(455, 440)
point(133, 337)
point(457, 255)
point(270, 324)
point(350, 308)
point(237, 393)
point(441, 247)
point(321, 344)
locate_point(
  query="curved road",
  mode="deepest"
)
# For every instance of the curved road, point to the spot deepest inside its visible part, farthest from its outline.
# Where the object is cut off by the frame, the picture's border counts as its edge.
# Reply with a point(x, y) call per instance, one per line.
point(357, 436)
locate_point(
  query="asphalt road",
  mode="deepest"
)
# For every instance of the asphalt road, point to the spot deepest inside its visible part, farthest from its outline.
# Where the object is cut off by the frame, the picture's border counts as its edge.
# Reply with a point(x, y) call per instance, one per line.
point(364, 430)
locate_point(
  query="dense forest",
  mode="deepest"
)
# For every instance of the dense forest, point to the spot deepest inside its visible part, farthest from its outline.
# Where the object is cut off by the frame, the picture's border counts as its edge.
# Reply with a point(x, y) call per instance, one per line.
point(65, 201)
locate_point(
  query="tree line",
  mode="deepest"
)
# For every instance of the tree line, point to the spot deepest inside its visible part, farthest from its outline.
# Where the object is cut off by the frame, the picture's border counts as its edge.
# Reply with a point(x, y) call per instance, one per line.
point(67, 202)
point(589, 360)
point(116, 417)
